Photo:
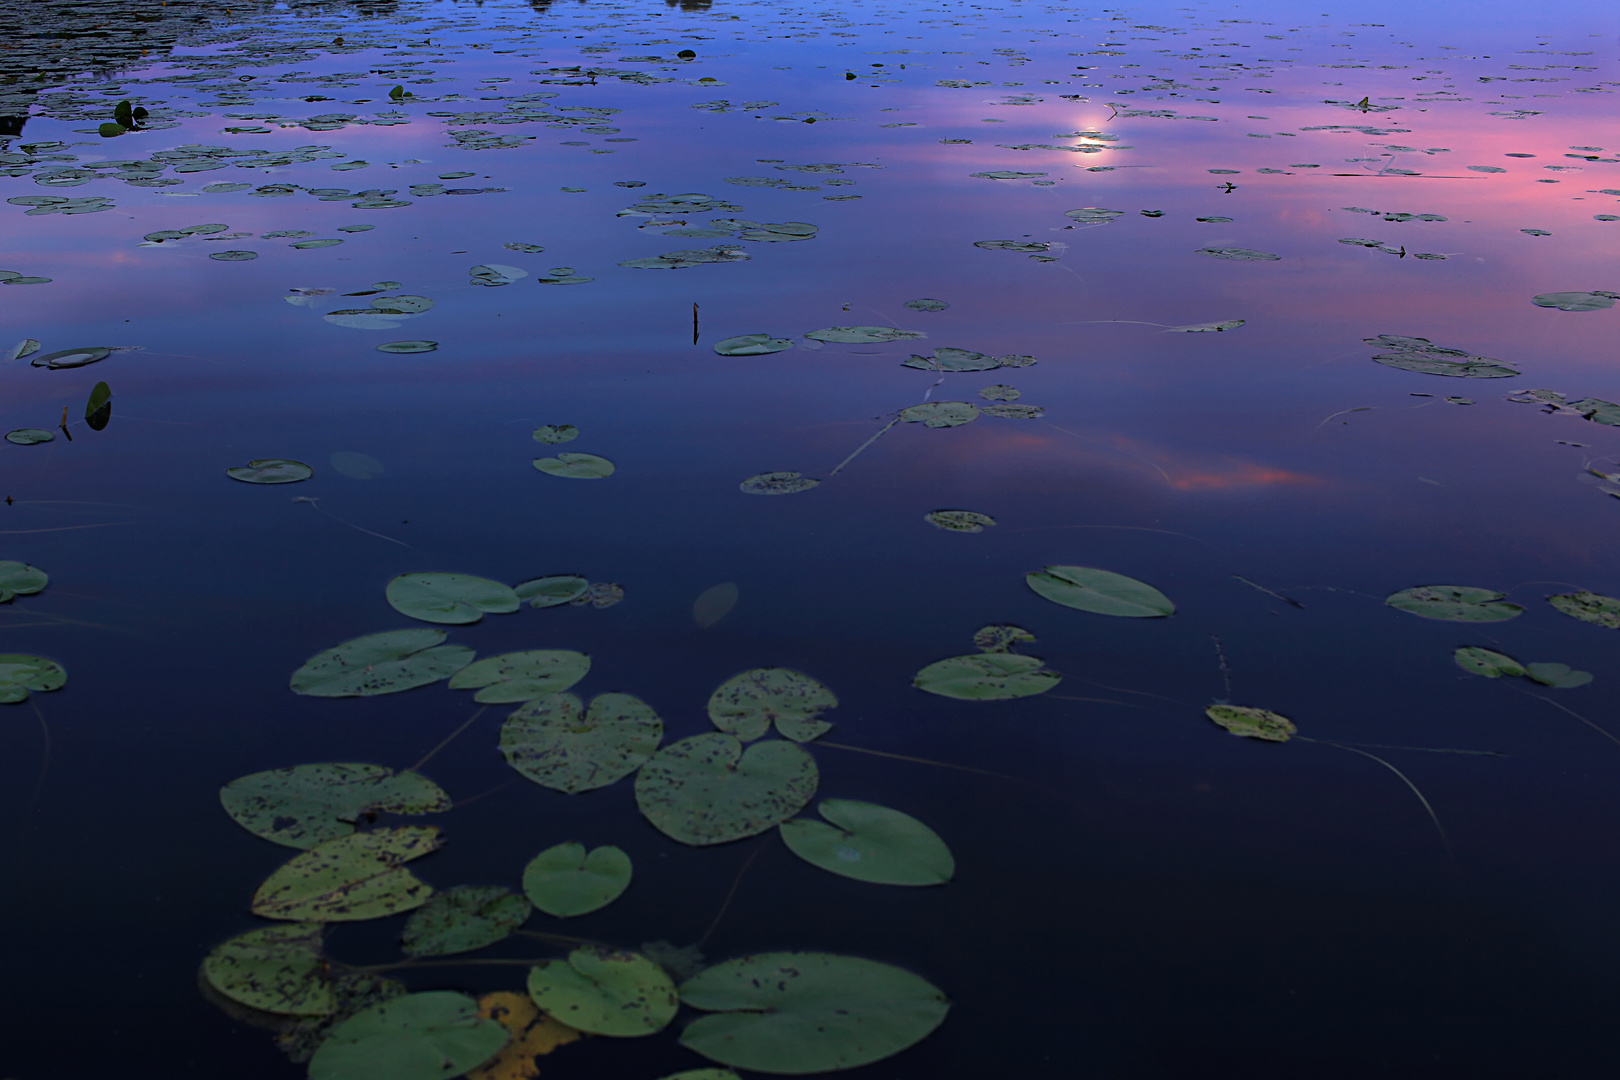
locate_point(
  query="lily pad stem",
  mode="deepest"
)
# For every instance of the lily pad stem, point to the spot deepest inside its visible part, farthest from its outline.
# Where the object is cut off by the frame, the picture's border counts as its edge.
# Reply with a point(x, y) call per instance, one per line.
point(1444, 839)
point(447, 740)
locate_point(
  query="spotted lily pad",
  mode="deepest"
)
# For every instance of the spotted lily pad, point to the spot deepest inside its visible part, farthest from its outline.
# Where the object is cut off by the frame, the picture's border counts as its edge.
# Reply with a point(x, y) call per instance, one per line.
point(1586, 606)
point(746, 705)
point(777, 483)
point(558, 744)
point(305, 805)
point(575, 466)
point(427, 1036)
point(940, 414)
point(709, 790)
point(277, 969)
point(1252, 723)
point(521, 676)
point(1000, 392)
point(927, 304)
point(1000, 637)
point(21, 672)
point(566, 880)
point(552, 591)
point(987, 677)
point(1492, 665)
point(1239, 253)
point(556, 433)
point(1102, 591)
point(871, 843)
point(355, 877)
point(1454, 603)
point(462, 919)
point(449, 598)
point(234, 256)
point(963, 521)
point(949, 359)
point(752, 345)
point(384, 663)
point(1596, 300)
point(863, 335)
point(271, 471)
point(1423, 356)
point(605, 992)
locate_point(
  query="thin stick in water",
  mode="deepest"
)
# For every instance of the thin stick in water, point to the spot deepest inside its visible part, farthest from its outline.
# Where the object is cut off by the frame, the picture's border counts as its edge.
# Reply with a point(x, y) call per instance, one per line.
point(1444, 839)
point(1268, 592)
point(1575, 714)
point(730, 893)
point(863, 446)
point(448, 738)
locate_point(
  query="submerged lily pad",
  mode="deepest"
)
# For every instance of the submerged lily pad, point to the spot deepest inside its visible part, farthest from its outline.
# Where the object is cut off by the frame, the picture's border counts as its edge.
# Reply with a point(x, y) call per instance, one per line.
point(462, 919)
point(566, 881)
point(871, 843)
point(777, 483)
point(709, 790)
point(575, 466)
point(384, 663)
point(863, 335)
point(552, 591)
point(305, 805)
point(277, 969)
point(553, 434)
point(355, 877)
point(940, 414)
point(1238, 253)
point(752, 345)
point(1454, 603)
point(427, 1036)
point(271, 471)
point(1102, 591)
point(521, 676)
point(965, 521)
point(799, 1013)
point(20, 579)
point(22, 672)
point(558, 744)
point(1492, 665)
point(30, 436)
point(1424, 356)
point(407, 348)
point(1587, 607)
point(605, 992)
point(746, 705)
point(1596, 300)
point(1252, 723)
point(986, 677)
point(1557, 675)
point(234, 256)
point(449, 598)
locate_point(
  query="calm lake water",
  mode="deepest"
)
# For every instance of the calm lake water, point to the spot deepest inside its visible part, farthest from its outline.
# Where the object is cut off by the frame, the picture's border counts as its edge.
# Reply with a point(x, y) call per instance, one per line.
point(1177, 226)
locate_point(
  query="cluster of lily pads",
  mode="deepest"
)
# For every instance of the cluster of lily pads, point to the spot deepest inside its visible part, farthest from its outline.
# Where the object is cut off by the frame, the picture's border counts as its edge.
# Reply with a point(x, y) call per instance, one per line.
point(568, 463)
point(21, 673)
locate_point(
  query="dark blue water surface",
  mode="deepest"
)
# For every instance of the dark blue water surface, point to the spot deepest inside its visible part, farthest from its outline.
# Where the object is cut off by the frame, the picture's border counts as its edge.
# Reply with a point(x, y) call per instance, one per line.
point(1138, 895)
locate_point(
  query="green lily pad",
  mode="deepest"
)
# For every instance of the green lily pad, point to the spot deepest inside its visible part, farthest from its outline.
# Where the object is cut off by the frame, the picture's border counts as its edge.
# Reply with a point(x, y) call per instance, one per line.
point(234, 256)
point(752, 345)
point(1014, 412)
point(21, 672)
point(605, 992)
point(552, 591)
point(20, 579)
point(927, 304)
point(384, 663)
point(1238, 253)
point(427, 1036)
point(556, 433)
point(1025, 246)
point(449, 598)
point(566, 881)
point(986, 677)
point(948, 359)
point(1557, 675)
point(462, 919)
point(1102, 591)
point(303, 245)
point(777, 483)
point(1206, 327)
point(521, 676)
point(1000, 637)
point(709, 790)
point(1092, 215)
point(1595, 300)
point(575, 466)
point(406, 304)
point(1252, 723)
point(1457, 369)
point(1492, 665)
point(558, 744)
point(70, 358)
point(799, 1013)
point(940, 414)
point(863, 335)
point(351, 878)
point(278, 969)
point(965, 521)
point(871, 843)
point(304, 805)
point(1454, 603)
point(703, 1074)
point(1001, 392)
point(30, 436)
point(746, 705)
point(271, 471)
point(407, 348)
point(1583, 605)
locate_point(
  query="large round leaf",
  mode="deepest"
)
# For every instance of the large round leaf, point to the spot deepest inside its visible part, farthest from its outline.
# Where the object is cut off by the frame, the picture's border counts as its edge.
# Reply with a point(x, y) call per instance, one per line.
point(709, 790)
point(1454, 603)
point(565, 880)
point(350, 878)
point(986, 677)
point(1486, 662)
point(867, 842)
point(556, 743)
point(1587, 607)
point(384, 663)
point(552, 591)
point(752, 345)
point(1102, 591)
point(1595, 300)
point(303, 805)
point(747, 704)
point(795, 1013)
point(20, 579)
point(427, 1036)
point(522, 676)
point(605, 992)
point(271, 471)
point(449, 598)
point(575, 466)
point(462, 919)
point(1252, 723)
point(279, 969)
point(938, 414)
point(777, 483)
point(21, 672)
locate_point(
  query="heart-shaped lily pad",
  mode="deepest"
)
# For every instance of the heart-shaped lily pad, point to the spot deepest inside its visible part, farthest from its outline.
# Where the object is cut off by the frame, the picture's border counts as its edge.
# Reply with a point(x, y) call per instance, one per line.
point(1589, 607)
point(1252, 723)
point(1454, 603)
point(277, 969)
point(353, 877)
point(384, 663)
point(522, 676)
point(872, 843)
point(304, 805)
point(1102, 591)
point(462, 919)
point(271, 471)
point(988, 676)
point(21, 672)
point(605, 992)
point(566, 880)
point(449, 598)
point(708, 790)
point(427, 1036)
point(556, 743)
point(575, 466)
point(746, 705)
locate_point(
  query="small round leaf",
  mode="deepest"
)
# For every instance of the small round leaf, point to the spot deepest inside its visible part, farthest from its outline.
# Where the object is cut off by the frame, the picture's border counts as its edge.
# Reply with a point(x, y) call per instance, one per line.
point(871, 843)
point(449, 598)
point(566, 881)
point(604, 992)
point(426, 1036)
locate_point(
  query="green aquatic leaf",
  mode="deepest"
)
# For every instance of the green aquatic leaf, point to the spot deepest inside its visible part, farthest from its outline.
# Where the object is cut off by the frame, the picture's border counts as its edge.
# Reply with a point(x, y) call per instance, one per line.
point(1583, 605)
point(605, 992)
point(384, 663)
point(927, 304)
point(70, 358)
point(521, 676)
point(401, 305)
point(1206, 327)
point(870, 843)
point(20, 579)
point(1000, 392)
point(462, 919)
point(1092, 215)
point(863, 335)
point(940, 414)
point(304, 245)
point(747, 704)
point(1454, 603)
point(408, 348)
point(777, 483)
point(449, 598)
point(752, 345)
point(796, 1013)
point(575, 466)
point(552, 591)
point(234, 256)
point(100, 396)
point(986, 677)
point(354, 877)
point(566, 881)
point(1252, 723)
point(1014, 412)
point(948, 359)
point(305, 805)
point(495, 274)
point(1596, 300)
point(1492, 665)
point(556, 433)
point(1238, 253)
point(558, 744)
point(965, 521)
point(1463, 369)
point(277, 969)
point(703, 1074)
point(1025, 246)
point(22, 672)
point(1102, 591)
point(30, 436)
point(25, 347)
point(1001, 637)
point(1557, 675)
point(427, 1036)
point(709, 790)
point(271, 471)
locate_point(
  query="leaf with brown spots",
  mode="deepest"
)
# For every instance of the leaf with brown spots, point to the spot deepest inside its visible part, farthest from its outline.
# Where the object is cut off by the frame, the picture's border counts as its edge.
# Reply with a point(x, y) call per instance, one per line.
point(534, 1034)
